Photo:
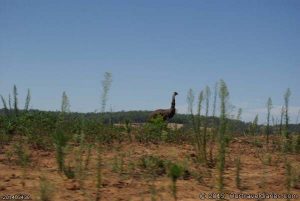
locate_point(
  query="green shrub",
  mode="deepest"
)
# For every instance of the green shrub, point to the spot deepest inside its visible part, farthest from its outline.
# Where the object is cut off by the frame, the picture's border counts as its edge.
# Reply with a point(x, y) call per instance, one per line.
point(154, 165)
point(175, 172)
point(60, 141)
point(23, 157)
point(46, 190)
point(153, 131)
point(4, 139)
point(224, 94)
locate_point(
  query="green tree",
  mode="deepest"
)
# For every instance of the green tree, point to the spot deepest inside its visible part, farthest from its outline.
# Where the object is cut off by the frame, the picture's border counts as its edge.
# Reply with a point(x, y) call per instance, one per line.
point(269, 107)
point(4, 105)
point(281, 120)
point(27, 102)
point(286, 118)
point(207, 98)
point(254, 126)
point(9, 102)
point(215, 99)
point(190, 101)
point(199, 137)
point(239, 114)
point(214, 126)
point(224, 95)
point(15, 93)
point(65, 104)
point(106, 84)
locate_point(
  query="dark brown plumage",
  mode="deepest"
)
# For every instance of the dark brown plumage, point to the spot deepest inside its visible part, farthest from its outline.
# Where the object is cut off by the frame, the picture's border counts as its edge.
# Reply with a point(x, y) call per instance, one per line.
point(165, 113)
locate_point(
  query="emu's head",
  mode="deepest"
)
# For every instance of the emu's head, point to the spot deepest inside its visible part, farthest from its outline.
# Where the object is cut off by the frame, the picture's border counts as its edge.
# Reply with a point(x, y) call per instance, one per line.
point(175, 93)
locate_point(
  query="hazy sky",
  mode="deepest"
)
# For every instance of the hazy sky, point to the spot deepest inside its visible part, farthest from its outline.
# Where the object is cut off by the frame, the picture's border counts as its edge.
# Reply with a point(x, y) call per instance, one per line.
point(152, 48)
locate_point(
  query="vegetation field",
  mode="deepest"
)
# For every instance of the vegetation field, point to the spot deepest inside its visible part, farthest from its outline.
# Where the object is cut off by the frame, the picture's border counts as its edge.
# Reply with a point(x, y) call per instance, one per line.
point(71, 156)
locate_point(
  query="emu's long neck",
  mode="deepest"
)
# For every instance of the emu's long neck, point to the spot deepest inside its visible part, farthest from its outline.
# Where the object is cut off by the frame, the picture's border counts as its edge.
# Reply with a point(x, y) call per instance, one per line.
point(173, 102)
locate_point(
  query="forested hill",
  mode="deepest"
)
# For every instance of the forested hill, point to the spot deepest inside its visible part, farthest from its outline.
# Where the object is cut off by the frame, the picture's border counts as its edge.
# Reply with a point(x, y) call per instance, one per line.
point(142, 116)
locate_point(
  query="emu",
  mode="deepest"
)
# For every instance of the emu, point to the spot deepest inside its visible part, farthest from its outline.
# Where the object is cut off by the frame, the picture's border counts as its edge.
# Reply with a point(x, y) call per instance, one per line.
point(165, 113)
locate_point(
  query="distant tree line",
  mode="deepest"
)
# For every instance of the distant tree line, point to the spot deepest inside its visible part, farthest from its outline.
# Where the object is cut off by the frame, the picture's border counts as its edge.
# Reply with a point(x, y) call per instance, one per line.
point(237, 126)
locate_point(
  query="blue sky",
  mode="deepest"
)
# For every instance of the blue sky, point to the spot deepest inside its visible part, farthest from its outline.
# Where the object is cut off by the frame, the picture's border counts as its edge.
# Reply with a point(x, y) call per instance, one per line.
point(152, 48)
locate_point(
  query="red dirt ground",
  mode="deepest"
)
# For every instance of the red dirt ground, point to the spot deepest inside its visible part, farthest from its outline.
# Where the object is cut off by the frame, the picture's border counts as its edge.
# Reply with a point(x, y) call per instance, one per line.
point(133, 184)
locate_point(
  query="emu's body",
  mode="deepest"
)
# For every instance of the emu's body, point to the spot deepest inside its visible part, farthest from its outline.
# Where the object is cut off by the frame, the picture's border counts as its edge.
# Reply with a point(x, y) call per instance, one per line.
point(165, 113)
